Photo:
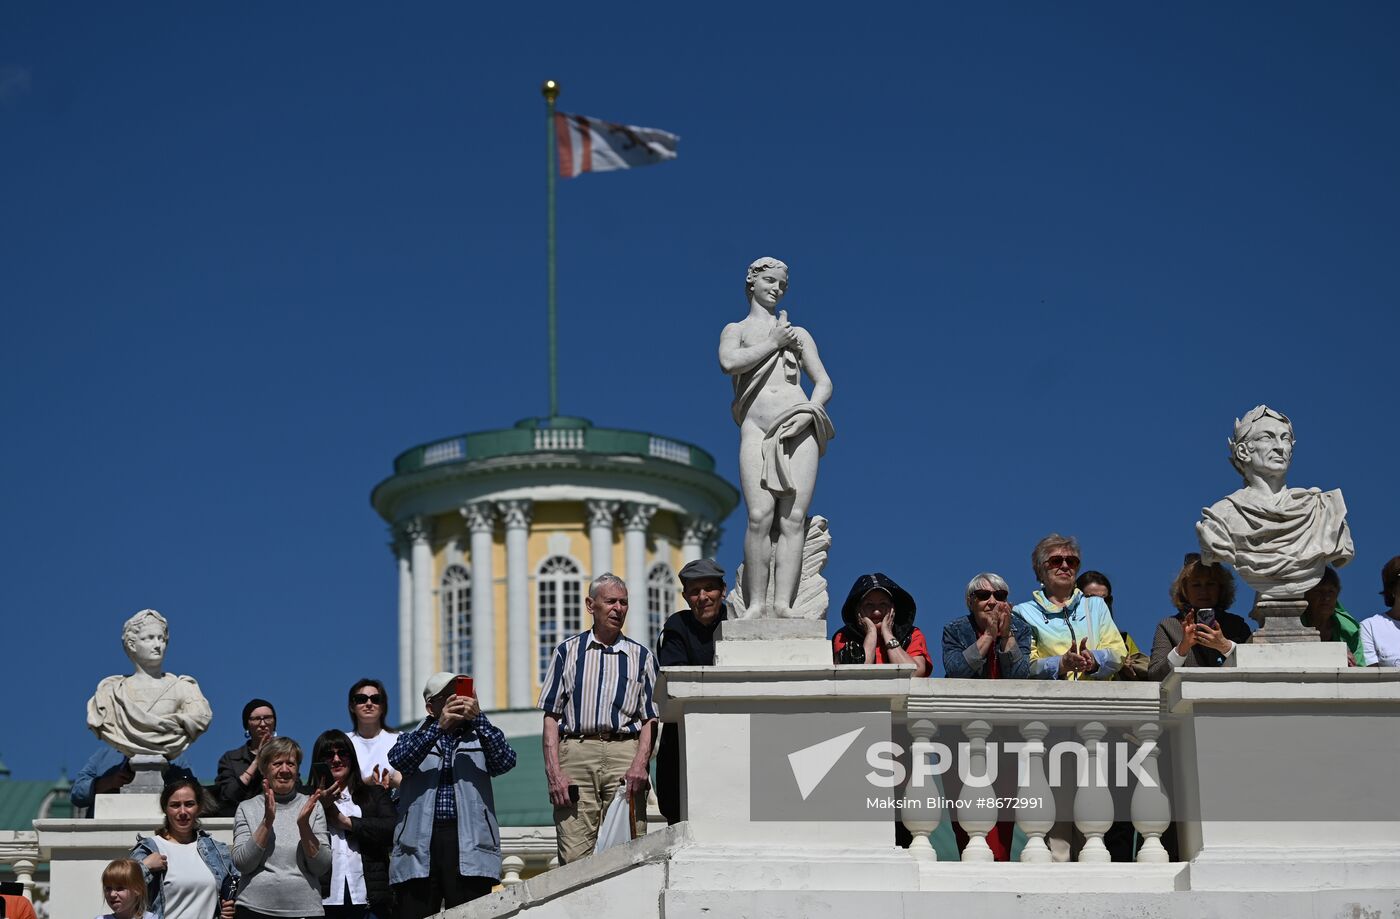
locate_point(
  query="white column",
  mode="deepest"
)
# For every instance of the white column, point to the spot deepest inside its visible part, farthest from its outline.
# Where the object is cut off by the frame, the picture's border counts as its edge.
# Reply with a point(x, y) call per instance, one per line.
point(712, 541)
point(519, 676)
point(418, 530)
point(636, 518)
point(409, 710)
point(600, 535)
point(481, 522)
point(697, 531)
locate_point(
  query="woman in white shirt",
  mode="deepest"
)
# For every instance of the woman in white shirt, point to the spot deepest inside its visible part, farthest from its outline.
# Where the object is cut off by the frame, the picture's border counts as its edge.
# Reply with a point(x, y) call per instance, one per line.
point(1380, 634)
point(369, 711)
point(188, 873)
point(360, 817)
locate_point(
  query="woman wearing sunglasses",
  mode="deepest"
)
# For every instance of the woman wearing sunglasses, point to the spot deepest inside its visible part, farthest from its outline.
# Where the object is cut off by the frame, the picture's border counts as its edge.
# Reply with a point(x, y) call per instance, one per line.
point(991, 642)
point(369, 711)
point(1075, 636)
point(360, 817)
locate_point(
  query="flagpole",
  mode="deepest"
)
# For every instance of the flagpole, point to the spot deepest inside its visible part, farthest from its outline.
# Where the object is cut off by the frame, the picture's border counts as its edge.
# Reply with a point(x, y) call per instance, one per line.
point(550, 90)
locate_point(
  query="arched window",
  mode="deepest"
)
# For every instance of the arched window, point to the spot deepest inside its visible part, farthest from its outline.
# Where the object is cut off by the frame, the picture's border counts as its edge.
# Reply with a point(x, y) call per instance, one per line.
point(661, 598)
point(455, 601)
point(559, 592)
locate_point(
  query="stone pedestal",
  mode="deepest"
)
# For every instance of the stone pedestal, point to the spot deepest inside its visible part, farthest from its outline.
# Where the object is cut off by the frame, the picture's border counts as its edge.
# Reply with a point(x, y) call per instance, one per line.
point(128, 806)
point(1281, 776)
point(722, 710)
point(1280, 622)
point(150, 771)
point(760, 642)
point(1324, 655)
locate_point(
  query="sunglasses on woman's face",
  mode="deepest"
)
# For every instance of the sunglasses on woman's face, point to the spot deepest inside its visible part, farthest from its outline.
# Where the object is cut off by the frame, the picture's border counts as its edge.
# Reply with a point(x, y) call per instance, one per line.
point(337, 753)
point(1062, 561)
point(981, 595)
point(360, 698)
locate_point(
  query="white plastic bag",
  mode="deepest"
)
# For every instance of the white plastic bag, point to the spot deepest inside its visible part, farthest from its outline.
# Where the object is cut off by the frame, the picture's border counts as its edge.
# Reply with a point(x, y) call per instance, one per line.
point(617, 823)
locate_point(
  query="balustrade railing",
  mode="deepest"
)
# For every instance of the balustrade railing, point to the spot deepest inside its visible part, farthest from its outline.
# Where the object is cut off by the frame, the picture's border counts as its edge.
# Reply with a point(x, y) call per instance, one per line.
point(982, 718)
point(19, 849)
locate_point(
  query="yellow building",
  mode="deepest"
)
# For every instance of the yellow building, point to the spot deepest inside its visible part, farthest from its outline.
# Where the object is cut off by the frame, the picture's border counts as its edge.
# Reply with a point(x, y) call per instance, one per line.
point(498, 533)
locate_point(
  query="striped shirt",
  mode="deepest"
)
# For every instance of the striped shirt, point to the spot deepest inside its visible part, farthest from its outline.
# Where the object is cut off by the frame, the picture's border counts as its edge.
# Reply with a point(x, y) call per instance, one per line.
point(594, 688)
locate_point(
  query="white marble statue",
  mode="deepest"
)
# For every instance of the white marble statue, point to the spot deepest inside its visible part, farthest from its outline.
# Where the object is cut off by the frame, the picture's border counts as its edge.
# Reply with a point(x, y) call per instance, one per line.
point(1278, 538)
point(150, 712)
point(782, 433)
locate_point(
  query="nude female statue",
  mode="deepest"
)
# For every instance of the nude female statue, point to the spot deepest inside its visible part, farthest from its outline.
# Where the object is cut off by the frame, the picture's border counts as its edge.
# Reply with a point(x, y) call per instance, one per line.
point(782, 433)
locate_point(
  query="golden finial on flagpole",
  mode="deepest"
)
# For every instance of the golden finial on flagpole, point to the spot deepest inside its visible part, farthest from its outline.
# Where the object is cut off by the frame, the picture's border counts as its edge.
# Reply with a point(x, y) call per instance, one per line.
point(550, 90)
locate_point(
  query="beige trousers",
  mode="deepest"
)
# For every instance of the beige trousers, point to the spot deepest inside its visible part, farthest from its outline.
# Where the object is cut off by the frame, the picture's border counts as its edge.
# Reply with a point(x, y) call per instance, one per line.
point(596, 767)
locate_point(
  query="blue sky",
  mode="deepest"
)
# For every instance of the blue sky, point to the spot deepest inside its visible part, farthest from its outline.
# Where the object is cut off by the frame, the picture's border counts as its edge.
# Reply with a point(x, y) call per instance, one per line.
point(250, 252)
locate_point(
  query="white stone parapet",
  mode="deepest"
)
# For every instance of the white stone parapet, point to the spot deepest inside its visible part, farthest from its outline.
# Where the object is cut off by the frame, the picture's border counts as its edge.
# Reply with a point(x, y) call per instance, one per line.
point(20, 850)
point(759, 642)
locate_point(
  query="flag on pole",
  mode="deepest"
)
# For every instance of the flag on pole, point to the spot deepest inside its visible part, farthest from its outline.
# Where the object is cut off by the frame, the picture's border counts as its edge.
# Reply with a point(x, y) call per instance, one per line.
point(590, 145)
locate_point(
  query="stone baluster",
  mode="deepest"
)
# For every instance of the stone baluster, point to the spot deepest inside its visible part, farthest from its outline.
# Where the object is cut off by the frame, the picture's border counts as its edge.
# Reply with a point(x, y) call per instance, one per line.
point(1093, 799)
point(511, 866)
point(976, 816)
point(1036, 819)
point(922, 821)
point(1150, 809)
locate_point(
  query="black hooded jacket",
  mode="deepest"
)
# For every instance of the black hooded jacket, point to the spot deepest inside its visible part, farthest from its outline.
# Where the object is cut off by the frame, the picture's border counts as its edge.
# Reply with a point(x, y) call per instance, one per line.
point(853, 651)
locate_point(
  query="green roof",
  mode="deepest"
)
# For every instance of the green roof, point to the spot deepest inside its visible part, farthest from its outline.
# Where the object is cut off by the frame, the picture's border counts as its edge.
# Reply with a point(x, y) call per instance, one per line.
point(522, 797)
point(20, 800)
point(551, 435)
point(542, 450)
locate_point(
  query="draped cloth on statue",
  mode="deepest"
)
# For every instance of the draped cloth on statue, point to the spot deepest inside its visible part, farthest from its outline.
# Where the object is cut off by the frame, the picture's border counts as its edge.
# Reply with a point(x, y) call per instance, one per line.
point(148, 727)
point(1281, 545)
point(748, 383)
point(776, 476)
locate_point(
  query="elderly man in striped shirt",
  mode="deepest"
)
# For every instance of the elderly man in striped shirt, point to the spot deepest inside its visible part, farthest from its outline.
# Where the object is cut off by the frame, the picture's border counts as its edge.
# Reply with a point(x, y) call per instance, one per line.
point(599, 719)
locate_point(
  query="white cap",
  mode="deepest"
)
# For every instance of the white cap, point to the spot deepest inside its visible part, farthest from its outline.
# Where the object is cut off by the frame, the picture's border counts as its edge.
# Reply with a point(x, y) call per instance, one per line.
point(437, 683)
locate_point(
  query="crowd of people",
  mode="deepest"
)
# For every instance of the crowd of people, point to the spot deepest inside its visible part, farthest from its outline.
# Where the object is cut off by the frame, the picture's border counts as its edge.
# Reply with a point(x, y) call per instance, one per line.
point(402, 824)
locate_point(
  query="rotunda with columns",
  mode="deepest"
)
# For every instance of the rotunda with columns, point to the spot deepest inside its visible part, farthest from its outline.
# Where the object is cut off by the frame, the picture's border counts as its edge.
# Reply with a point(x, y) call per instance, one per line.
point(498, 533)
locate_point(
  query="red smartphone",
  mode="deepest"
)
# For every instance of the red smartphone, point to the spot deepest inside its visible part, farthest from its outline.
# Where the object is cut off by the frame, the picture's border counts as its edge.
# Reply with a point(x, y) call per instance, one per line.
point(464, 687)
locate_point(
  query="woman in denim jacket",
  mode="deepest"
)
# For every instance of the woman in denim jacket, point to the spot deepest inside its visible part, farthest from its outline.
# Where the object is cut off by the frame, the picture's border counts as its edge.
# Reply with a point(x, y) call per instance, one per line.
point(188, 873)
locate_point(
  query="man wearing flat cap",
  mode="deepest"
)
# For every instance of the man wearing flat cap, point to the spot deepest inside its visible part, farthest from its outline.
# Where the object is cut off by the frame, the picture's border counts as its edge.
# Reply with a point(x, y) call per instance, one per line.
point(447, 847)
point(687, 640)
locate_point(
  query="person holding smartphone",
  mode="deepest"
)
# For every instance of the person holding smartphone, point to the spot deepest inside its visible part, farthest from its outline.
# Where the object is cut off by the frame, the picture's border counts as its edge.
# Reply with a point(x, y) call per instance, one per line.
point(447, 844)
point(360, 817)
point(1203, 633)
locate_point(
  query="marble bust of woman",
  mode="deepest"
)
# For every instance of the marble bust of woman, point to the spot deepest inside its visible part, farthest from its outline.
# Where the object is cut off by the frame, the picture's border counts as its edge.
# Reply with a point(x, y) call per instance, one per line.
point(148, 712)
